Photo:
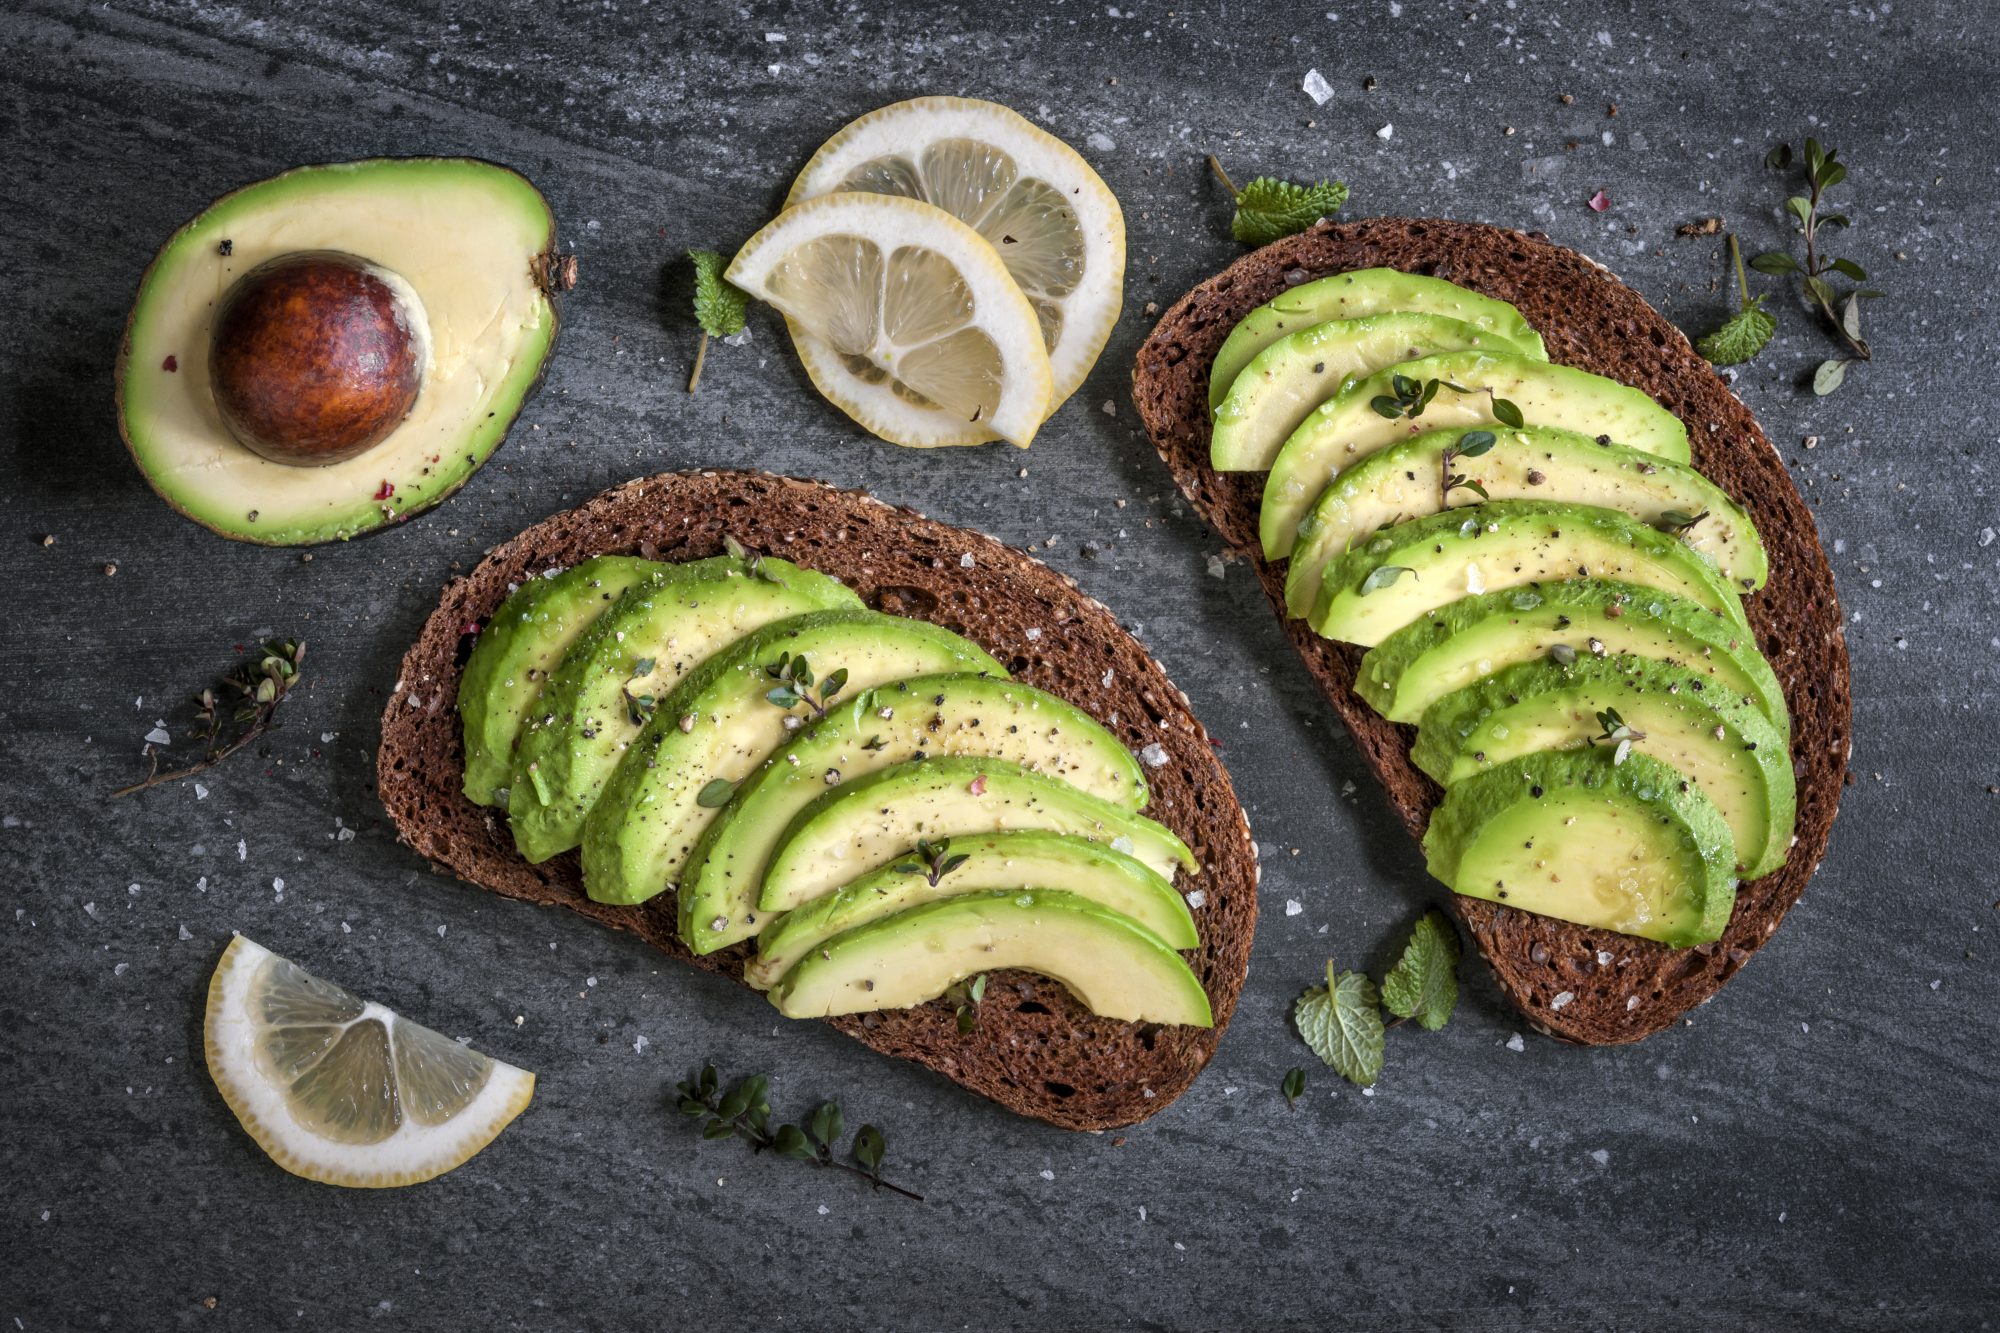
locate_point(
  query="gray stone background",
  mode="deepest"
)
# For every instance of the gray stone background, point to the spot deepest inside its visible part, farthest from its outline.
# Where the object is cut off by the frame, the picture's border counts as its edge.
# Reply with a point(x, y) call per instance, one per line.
point(1815, 1149)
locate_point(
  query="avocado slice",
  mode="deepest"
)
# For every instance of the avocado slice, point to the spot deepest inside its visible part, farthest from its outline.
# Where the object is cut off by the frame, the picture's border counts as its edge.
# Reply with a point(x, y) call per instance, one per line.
point(1631, 847)
point(1354, 295)
point(722, 721)
point(1297, 373)
point(1720, 741)
point(475, 244)
point(891, 724)
point(628, 661)
point(1115, 966)
point(1411, 569)
point(1407, 481)
point(863, 825)
point(1470, 639)
point(1025, 861)
point(513, 656)
point(1350, 425)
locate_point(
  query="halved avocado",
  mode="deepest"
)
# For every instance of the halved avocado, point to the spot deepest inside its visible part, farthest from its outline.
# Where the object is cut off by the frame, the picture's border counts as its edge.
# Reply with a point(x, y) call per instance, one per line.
point(1029, 860)
point(908, 720)
point(617, 673)
point(1115, 966)
point(1404, 572)
point(866, 824)
point(1470, 639)
point(513, 656)
point(725, 718)
point(1351, 425)
point(1631, 847)
point(1408, 480)
point(1720, 741)
point(1354, 295)
point(1294, 375)
point(469, 244)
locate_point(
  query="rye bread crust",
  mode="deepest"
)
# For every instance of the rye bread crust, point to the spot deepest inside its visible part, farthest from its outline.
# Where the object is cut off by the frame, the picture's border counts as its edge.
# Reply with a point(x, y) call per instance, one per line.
point(1035, 1050)
point(1550, 969)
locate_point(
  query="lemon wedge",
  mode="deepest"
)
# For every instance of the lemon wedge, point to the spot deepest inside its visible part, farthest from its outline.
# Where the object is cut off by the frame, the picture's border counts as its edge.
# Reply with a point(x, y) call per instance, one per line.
point(1053, 221)
point(341, 1090)
point(932, 336)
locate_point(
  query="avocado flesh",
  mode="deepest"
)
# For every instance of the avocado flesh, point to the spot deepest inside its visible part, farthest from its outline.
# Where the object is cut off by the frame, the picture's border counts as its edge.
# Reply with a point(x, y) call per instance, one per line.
point(649, 816)
point(595, 702)
point(1113, 965)
point(908, 720)
point(514, 655)
point(1468, 640)
point(1719, 741)
point(1347, 428)
point(1294, 375)
point(1489, 547)
point(866, 824)
point(473, 240)
point(1027, 861)
point(1406, 481)
point(1356, 295)
point(1627, 847)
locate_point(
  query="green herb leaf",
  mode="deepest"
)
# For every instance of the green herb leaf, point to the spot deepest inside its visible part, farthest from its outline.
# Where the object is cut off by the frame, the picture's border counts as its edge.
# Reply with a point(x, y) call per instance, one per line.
point(717, 1129)
point(1679, 520)
point(719, 304)
point(1474, 443)
point(978, 990)
point(1563, 654)
point(1342, 1022)
point(1847, 268)
point(784, 696)
point(1829, 376)
point(1507, 413)
point(791, 1141)
point(1294, 1086)
point(716, 794)
point(1776, 263)
point(1424, 983)
point(1382, 576)
point(1779, 158)
point(868, 1148)
point(1745, 335)
point(833, 685)
point(1268, 210)
point(827, 1124)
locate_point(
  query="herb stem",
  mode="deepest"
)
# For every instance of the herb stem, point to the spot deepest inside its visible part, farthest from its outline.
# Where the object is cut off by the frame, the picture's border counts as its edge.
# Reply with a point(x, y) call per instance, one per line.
point(700, 355)
point(1223, 176)
point(1742, 278)
point(155, 778)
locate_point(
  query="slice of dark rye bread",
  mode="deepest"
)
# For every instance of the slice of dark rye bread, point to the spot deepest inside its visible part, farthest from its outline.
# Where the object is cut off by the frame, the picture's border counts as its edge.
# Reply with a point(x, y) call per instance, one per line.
point(1035, 1050)
point(1591, 986)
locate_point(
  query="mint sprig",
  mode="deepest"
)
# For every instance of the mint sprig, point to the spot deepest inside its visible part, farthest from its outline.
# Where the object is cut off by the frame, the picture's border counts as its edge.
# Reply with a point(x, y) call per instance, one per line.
point(1342, 1020)
point(1269, 209)
point(1748, 330)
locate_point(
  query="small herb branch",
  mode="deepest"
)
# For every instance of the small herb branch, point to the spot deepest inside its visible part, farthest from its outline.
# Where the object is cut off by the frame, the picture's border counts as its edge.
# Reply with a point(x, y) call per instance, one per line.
point(1342, 1020)
point(744, 1112)
point(1268, 209)
point(719, 306)
point(256, 687)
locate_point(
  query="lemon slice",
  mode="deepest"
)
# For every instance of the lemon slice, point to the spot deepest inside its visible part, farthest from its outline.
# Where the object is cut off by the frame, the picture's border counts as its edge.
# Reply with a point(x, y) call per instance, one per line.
point(341, 1090)
point(933, 337)
point(1055, 224)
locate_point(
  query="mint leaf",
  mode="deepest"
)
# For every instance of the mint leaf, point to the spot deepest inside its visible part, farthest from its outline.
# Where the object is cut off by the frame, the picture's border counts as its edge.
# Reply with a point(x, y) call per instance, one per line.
point(1742, 337)
point(719, 304)
point(1342, 1022)
point(1424, 983)
point(1268, 209)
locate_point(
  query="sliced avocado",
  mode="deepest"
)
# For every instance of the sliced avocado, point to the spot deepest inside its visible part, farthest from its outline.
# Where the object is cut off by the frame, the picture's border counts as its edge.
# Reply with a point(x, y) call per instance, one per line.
point(1294, 375)
point(1631, 847)
point(1352, 424)
point(517, 650)
point(726, 717)
point(1470, 639)
point(1408, 480)
point(1115, 966)
point(472, 245)
point(1404, 572)
point(615, 676)
point(908, 720)
point(1029, 860)
point(863, 825)
point(1719, 740)
point(1354, 295)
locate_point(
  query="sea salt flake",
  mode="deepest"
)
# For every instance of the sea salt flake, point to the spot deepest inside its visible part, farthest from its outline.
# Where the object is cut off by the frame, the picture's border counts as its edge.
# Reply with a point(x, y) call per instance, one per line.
point(1155, 755)
point(1316, 87)
point(1293, 907)
point(121, 969)
point(158, 736)
point(186, 934)
point(1386, 132)
point(1514, 1043)
point(1101, 141)
point(1562, 998)
point(242, 850)
point(1197, 898)
point(639, 1044)
point(200, 792)
point(965, 561)
point(1048, 1175)
point(1600, 1156)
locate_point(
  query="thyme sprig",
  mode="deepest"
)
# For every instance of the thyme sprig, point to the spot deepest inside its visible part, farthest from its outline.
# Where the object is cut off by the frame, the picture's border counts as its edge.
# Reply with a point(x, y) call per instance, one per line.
point(744, 1112)
point(1472, 444)
point(934, 860)
point(795, 684)
point(1840, 310)
point(1409, 397)
point(1618, 732)
point(256, 687)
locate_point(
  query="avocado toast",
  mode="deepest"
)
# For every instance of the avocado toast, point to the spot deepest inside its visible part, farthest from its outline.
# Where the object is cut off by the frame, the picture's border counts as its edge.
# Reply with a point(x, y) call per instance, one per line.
point(1583, 983)
point(1035, 1048)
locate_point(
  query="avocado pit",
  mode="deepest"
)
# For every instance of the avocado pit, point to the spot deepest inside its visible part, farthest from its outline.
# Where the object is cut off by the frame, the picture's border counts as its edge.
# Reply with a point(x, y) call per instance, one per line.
point(317, 357)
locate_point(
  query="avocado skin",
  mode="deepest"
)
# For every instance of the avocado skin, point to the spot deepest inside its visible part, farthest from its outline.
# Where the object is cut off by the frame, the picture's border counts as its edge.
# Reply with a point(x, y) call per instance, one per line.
point(1640, 782)
point(1439, 749)
point(1537, 607)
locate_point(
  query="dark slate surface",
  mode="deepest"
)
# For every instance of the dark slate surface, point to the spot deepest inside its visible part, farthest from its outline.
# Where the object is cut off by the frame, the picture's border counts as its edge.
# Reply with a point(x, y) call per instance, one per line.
point(1814, 1149)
